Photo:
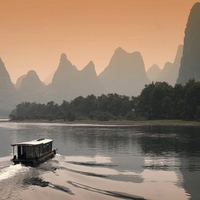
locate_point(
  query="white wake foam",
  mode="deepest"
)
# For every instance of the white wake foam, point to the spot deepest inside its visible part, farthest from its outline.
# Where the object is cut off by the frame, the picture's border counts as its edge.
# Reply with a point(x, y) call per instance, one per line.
point(11, 171)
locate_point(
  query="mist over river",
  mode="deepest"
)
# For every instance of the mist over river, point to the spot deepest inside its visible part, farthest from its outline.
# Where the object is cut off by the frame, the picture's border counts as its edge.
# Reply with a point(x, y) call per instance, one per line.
point(103, 162)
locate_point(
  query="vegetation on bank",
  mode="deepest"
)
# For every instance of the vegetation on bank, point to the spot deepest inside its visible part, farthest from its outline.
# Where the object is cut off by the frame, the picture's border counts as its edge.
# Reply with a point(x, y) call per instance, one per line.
point(157, 101)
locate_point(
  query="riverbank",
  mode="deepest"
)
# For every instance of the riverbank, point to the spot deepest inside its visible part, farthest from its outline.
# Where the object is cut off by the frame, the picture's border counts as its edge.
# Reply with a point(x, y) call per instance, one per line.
point(119, 122)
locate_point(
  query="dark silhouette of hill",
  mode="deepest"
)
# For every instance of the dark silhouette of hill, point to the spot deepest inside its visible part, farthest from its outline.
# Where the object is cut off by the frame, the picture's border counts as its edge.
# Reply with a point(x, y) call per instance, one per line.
point(69, 83)
point(64, 82)
point(49, 78)
point(190, 63)
point(65, 73)
point(89, 82)
point(8, 93)
point(170, 71)
point(153, 72)
point(32, 89)
point(19, 81)
point(5, 81)
point(125, 73)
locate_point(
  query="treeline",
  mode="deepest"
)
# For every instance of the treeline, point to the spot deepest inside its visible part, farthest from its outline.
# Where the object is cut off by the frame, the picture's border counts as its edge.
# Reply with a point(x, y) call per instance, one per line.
point(157, 101)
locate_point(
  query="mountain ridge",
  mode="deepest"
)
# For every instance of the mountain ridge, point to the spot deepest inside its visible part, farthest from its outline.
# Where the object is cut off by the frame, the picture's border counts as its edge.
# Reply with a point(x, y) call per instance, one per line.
point(125, 73)
point(190, 67)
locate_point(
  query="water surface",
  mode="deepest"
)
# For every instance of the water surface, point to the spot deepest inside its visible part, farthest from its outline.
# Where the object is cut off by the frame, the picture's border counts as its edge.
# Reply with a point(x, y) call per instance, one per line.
point(104, 162)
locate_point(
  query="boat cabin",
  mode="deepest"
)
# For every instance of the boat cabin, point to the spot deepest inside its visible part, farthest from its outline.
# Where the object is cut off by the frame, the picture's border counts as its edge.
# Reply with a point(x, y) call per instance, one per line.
point(32, 152)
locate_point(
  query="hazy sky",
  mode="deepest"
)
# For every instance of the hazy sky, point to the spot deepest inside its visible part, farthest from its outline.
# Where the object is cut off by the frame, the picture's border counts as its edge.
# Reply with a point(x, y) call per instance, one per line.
point(34, 33)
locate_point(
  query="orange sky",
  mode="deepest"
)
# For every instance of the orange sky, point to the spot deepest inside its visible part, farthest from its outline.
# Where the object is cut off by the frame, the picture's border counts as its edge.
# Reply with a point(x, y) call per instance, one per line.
point(34, 33)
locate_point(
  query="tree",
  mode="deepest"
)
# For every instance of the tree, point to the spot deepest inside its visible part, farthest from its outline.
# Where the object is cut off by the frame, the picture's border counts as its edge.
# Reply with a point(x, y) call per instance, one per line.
point(144, 107)
point(179, 102)
point(155, 101)
point(192, 99)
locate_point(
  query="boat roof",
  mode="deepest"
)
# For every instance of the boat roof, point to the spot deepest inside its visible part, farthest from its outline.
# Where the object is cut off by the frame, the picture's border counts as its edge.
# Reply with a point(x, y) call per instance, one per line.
point(33, 142)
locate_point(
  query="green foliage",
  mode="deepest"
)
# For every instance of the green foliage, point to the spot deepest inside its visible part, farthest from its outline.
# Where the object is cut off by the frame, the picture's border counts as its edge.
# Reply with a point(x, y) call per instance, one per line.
point(162, 101)
point(157, 101)
point(103, 108)
point(103, 116)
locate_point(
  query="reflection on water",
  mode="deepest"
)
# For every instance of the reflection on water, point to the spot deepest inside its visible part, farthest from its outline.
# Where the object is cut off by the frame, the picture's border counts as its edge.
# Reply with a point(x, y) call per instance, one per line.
point(104, 162)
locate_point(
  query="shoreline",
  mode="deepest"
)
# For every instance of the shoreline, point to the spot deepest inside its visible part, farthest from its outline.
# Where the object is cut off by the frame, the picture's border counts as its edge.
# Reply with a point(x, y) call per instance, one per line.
point(116, 122)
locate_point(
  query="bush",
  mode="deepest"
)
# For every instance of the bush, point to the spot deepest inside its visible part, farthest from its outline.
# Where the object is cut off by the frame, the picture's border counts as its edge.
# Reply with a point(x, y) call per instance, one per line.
point(103, 116)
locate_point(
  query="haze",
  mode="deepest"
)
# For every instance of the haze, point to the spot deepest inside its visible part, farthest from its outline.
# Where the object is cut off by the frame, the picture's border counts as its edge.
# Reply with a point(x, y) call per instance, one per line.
point(35, 33)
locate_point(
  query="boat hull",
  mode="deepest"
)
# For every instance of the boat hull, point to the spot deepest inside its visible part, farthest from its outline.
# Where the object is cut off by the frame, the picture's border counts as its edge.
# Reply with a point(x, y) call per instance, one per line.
point(34, 162)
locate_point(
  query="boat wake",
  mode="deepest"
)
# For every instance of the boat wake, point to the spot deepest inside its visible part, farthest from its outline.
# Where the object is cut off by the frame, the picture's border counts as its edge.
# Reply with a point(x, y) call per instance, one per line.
point(11, 171)
point(11, 178)
point(65, 177)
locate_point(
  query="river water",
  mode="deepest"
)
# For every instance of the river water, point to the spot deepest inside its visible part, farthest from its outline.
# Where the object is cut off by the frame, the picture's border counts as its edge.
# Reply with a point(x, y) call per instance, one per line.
point(103, 162)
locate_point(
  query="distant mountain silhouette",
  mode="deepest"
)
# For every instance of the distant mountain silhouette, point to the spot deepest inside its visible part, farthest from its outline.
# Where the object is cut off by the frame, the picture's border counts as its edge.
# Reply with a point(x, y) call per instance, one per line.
point(69, 83)
point(65, 73)
point(19, 81)
point(170, 71)
point(63, 85)
point(32, 88)
point(190, 63)
point(8, 93)
point(89, 82)
point(49, 78)
point(153, 72)
point(5, 81)
point(125, 73)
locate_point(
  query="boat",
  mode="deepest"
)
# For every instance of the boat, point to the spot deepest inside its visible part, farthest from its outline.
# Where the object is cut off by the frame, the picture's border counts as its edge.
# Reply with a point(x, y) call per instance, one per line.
point(34, 152)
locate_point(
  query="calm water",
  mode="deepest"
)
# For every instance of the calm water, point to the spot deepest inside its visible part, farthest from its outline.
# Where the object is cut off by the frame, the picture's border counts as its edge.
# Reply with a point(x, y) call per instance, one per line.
point(99, 162)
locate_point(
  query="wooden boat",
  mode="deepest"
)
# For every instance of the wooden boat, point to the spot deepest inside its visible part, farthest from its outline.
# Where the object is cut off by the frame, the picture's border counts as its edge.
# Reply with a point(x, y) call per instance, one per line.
point(34, 152)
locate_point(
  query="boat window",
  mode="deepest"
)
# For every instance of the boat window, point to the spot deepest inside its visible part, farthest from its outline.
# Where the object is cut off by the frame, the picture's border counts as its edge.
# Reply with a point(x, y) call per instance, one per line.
point(19, 151)
point(29, 152)
point(50, 145)
point(41, 150)
point(37, 150)
point(46, 147)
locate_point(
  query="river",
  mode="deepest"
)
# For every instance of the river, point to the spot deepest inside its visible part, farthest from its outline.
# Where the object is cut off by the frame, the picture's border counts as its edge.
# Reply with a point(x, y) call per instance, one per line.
point(96, 162)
